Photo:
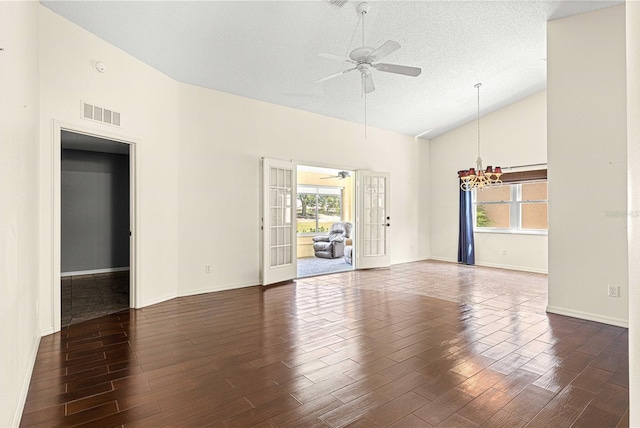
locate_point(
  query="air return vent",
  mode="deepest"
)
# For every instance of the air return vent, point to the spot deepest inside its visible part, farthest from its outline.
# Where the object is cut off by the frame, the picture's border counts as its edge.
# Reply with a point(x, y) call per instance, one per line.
point(99, 114)
point(336, 3)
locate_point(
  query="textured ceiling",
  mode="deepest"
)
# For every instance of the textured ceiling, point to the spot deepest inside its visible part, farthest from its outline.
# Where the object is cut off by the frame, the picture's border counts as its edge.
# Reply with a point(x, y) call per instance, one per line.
point(268, 50)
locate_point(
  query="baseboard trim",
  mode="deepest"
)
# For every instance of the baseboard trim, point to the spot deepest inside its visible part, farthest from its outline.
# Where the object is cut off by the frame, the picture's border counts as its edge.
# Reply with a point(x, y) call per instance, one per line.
point(216, 288)
point(495, 265)
point(158, 300)
point(618, 322)
point(510, 267)
point(24, 390)
point(46, 332)
point(417, 259)
point(94, 271)
point(443, 259)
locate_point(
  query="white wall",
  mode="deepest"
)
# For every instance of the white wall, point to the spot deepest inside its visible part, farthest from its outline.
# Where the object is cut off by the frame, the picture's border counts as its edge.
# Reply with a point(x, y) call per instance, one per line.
point(633, 164)
point(586, 93)
point(147, 101)
point(19, 333)
point(514, 135)
point(223, 137)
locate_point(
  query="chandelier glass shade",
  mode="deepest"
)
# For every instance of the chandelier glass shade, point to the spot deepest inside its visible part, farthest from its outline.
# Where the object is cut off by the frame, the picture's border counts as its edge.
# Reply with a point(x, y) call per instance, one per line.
point(478, 177)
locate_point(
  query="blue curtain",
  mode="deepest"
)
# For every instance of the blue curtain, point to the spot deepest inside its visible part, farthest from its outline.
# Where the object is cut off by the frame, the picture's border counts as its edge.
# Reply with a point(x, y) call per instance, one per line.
point(466, 252)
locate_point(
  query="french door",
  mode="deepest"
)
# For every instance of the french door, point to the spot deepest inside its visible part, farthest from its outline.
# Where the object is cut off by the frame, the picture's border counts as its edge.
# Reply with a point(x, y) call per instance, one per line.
point(373, 219)
point(279, 258)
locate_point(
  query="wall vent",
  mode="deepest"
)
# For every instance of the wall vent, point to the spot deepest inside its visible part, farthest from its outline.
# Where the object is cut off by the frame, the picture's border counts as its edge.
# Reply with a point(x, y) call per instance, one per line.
point(336, 3)
point(99, 114)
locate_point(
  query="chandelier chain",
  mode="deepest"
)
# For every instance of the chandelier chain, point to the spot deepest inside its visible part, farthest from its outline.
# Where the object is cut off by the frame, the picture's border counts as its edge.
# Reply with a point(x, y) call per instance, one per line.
point(364, 12)
point(479, 178)
point(478, 86)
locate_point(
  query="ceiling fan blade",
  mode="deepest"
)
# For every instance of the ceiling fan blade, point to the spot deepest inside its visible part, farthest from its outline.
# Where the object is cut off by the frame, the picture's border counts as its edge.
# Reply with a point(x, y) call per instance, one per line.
point(367, 83)
point(398, 69)
point(340, 73)
point(336, 58)
point(388, 47)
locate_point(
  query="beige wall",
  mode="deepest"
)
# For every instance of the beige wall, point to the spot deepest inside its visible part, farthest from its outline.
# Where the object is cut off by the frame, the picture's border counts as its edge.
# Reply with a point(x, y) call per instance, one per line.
point(586, 93)
point(514, 135)
point(19, 258)
point(633, 165)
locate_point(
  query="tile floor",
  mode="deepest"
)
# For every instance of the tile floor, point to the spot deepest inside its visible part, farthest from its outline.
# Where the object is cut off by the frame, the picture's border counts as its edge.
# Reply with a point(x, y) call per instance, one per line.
point(86, 297)
point(418, 345)
point(483, 287)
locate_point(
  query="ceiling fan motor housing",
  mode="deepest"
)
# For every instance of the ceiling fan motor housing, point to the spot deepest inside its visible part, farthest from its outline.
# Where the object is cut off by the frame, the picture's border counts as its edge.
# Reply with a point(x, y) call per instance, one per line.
point(361, 55)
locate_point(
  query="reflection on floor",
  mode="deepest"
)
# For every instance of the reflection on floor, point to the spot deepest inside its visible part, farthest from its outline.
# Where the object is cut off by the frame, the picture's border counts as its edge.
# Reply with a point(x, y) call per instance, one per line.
point(86, 297)
point(310, 266)
point(420, 344)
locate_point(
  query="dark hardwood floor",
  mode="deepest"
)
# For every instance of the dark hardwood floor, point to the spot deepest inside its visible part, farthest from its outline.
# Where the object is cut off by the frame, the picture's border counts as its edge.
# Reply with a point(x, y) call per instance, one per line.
point(418, 345)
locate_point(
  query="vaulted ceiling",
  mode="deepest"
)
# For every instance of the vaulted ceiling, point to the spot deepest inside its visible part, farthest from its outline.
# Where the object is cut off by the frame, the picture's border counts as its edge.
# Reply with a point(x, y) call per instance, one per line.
point(268, 50)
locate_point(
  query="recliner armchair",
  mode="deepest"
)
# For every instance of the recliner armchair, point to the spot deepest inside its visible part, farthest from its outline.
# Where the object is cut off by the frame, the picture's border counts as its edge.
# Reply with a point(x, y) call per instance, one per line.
point(332, 246)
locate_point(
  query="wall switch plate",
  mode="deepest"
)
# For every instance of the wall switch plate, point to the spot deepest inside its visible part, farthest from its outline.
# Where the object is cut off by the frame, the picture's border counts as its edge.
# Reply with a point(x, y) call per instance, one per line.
point(207, 268)
point(504, 252)
point(613, 291)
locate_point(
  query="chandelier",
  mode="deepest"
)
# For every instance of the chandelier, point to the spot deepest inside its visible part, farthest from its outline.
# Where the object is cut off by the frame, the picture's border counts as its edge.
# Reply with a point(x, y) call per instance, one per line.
point(478, 178)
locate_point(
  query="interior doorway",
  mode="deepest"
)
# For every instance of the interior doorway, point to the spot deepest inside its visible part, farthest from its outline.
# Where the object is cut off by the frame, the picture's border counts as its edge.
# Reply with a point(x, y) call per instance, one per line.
point(325, 220)
point(95, 227)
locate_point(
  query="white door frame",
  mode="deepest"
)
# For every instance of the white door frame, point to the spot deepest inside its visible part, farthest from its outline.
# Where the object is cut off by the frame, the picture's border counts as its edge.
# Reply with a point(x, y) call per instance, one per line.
point(56, 250)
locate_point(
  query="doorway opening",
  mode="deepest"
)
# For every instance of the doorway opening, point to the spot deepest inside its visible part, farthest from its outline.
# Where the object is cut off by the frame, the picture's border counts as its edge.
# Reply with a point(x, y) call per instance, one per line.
point(325, 220)
point(95, 227)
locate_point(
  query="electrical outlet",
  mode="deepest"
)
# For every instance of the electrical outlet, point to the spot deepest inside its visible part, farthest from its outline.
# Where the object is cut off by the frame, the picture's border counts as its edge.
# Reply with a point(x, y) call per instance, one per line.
point(613, 290)
point(504, 252)
point(207, 268)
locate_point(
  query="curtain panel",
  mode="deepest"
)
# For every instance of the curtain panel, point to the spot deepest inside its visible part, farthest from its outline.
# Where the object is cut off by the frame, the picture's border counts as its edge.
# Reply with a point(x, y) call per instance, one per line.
point(466, 250)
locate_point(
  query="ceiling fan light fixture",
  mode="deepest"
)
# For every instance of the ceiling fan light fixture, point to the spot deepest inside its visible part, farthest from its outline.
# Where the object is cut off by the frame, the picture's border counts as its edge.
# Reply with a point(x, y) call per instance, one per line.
point(365, 56)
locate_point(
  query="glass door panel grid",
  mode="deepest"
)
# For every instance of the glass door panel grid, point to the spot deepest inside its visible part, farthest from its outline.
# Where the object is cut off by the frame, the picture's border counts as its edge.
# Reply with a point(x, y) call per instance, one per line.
point(280, 207)
point(374, 216)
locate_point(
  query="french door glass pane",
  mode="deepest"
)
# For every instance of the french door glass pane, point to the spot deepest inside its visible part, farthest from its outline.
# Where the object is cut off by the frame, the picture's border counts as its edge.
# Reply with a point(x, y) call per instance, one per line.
point(374, 216)
point(280, 200)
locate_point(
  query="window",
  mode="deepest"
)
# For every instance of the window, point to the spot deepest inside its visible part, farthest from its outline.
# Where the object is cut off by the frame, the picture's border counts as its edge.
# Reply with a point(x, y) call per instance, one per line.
point(318, 208)
point(518, 207)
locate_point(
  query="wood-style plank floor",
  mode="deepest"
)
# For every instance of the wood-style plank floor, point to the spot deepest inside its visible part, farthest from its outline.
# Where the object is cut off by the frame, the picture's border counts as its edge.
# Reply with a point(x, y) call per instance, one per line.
point(417, 345)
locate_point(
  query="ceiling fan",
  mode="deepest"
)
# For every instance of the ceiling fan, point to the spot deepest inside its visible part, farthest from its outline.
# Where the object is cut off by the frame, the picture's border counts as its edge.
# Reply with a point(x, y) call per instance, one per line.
point(363, 59)
point(341, 175)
